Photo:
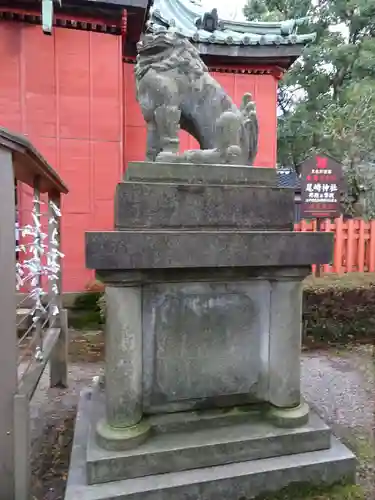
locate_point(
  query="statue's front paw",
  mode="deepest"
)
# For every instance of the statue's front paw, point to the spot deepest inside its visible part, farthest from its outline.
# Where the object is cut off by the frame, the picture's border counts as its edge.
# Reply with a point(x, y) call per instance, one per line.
point(233, 154)
point(167, 157)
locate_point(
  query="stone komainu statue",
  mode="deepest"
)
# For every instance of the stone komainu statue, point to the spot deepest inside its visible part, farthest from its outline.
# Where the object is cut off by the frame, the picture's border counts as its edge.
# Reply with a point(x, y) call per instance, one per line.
point(175, 90)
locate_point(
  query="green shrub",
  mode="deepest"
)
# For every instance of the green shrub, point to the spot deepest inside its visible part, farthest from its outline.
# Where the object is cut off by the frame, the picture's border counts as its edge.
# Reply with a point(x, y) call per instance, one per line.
point(339, 309)
point(85, 320)
point(87, 301)
point(85, 313)
point(102, 307)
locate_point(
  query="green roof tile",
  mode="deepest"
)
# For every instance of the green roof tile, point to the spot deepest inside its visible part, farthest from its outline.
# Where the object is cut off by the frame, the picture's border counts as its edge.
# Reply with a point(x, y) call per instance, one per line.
point(186, 17)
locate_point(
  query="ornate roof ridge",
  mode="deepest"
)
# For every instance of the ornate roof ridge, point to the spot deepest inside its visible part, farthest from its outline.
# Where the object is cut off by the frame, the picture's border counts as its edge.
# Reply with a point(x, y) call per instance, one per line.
point(189, 18)
point(257, 27)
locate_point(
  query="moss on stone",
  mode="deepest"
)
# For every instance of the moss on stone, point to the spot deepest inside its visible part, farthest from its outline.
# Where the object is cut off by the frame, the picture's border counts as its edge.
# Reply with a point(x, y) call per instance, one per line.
point(304, 491)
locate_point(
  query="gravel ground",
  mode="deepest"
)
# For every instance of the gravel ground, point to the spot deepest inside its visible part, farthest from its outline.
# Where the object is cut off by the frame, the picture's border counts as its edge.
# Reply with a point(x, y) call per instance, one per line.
point(48, 401)
point(340, 385)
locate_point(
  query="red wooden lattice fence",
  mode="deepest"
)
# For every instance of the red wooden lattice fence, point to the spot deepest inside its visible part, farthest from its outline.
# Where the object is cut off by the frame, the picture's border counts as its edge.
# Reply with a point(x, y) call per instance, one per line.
point(354, 249)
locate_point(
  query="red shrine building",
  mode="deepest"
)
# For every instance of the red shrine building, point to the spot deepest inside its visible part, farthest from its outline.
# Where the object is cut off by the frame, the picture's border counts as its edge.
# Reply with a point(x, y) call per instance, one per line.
point(67, 83)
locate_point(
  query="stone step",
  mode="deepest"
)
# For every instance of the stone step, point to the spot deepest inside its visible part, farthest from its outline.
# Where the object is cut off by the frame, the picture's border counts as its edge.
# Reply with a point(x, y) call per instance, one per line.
point(177, 452)
point(174, 452)
point(231, 481)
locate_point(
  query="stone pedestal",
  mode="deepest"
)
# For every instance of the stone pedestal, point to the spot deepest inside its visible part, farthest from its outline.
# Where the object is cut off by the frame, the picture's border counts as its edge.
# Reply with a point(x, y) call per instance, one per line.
point(203, 339)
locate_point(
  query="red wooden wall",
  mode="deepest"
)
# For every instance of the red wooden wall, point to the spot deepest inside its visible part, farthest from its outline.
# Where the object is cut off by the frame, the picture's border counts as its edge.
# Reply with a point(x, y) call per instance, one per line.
point(65, 93)
point(74, 98)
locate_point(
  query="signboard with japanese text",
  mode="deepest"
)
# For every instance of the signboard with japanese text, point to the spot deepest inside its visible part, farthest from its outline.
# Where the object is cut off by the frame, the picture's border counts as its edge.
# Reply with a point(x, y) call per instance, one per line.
point(321, 187)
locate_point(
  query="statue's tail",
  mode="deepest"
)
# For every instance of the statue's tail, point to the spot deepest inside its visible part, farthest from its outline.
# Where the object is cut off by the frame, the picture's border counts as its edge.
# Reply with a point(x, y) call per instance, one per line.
point(248, 110)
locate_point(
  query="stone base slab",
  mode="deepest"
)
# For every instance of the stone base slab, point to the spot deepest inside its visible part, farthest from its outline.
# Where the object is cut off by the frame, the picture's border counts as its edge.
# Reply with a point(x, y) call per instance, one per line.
point(141, 205)
point(153, 249)
point(165, 452)
point(189, 173)
point(230, 481)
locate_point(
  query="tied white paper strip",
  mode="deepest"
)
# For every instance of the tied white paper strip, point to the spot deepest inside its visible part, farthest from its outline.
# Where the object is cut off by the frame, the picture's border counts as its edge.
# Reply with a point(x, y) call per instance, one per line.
point(30, 269)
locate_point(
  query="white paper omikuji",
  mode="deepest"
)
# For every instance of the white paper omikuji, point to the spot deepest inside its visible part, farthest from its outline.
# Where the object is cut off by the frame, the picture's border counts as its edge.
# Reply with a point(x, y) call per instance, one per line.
point(38, 354)
point(39, 259)
point(54, 310)
point(55, 209)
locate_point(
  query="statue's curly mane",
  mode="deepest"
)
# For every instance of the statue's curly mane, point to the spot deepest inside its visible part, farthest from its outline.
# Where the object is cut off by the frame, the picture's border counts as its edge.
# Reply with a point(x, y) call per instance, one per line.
point(165, 52)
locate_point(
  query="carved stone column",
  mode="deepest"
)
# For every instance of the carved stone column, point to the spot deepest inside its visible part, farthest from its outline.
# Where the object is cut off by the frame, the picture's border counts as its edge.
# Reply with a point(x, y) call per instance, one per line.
point(285, 350)
point(122, 427)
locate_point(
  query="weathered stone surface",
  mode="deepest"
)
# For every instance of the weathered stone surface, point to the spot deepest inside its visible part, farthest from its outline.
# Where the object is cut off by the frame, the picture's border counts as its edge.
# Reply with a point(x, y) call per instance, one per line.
point(204, 316)
point(152, 205)
point(173, 452)
point(207, 274)
point(202, 344)
point(123, 352)
point(285, 343)
point(232, 481)
point(175, 89)
point(151, 249)
point(186, 173)
point(120, 438)
point(216, 344)
point(289, 417)
point(197, 420)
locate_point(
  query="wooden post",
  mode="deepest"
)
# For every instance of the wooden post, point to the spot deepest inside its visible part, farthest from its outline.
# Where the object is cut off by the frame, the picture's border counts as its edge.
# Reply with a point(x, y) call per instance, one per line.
point(59, 355)
point(371, 265)
point(38, 315)
point(339, 240)
point(319, 228)
point(328, 226)
point(350, 247)
point(22, 447)
point(8, 351)
point(361, 246)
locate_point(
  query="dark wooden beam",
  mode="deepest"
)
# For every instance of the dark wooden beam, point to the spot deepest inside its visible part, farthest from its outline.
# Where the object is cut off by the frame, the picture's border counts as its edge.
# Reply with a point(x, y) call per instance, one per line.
point(281, 56)
point(115, 3)
point(73, 13)
point(92, 4)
